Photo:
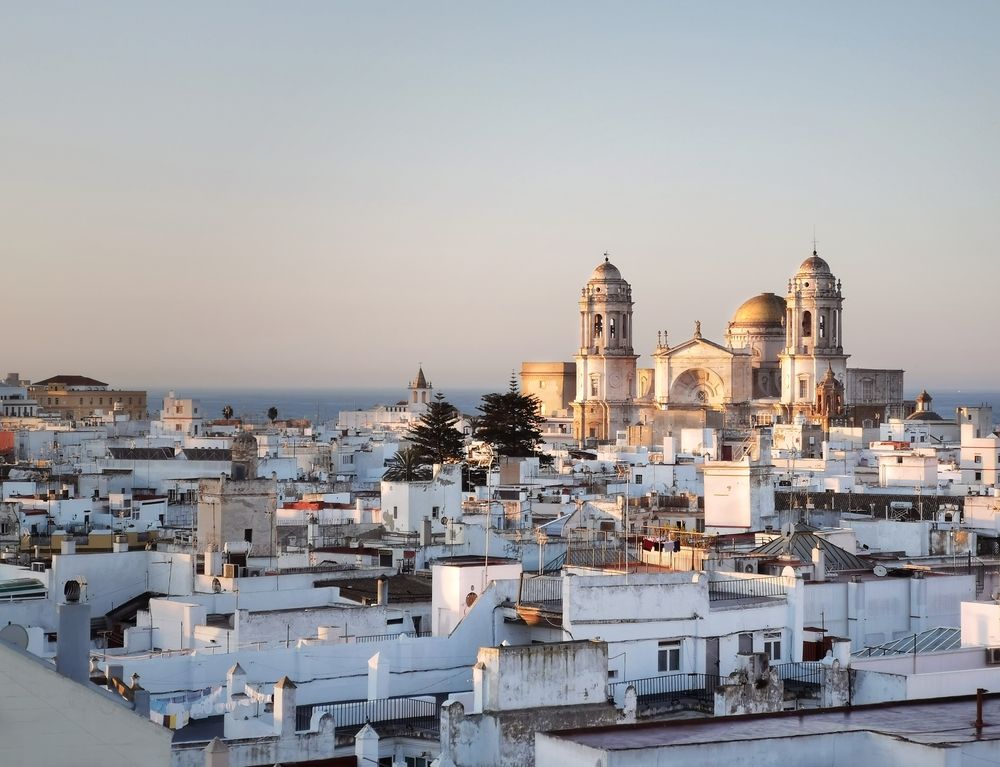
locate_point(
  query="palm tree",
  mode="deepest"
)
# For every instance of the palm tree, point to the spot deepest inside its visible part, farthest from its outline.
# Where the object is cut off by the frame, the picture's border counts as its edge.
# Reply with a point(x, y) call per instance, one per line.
point(272, 414)
point(227, 412)
point(407, 465)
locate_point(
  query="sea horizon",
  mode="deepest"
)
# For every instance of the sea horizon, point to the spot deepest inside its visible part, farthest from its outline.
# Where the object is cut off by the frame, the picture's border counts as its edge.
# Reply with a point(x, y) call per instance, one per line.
point(321, 405)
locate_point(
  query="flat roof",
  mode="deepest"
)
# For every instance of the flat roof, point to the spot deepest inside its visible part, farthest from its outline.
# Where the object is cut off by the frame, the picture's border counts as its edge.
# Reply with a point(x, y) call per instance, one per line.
point(938, 721)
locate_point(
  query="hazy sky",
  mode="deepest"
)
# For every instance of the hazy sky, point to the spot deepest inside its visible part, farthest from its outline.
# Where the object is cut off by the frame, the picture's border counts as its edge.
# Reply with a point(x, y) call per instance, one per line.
point(325, 194)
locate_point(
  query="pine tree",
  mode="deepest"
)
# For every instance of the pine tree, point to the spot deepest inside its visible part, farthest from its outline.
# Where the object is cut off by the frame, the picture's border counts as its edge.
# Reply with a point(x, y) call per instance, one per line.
point(435, 435)
point(511, 422)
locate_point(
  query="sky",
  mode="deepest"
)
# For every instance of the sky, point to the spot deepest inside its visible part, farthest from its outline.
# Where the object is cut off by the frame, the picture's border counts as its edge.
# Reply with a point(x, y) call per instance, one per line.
point(327, 194)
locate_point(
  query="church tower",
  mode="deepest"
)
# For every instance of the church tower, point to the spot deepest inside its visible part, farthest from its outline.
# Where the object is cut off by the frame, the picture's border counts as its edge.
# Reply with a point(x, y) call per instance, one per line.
point(605, 363)
point(813, 334)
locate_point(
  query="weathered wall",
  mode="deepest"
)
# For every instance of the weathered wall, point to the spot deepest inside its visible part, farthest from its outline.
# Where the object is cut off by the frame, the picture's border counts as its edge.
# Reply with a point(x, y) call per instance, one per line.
point(507, 739)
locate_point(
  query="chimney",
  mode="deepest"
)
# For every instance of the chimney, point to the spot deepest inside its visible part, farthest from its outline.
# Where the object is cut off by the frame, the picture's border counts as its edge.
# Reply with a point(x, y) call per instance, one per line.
point(366, 746)
point(425, 533)
point(284, 707)
point(236, 682)
point(382, 584)
point(819, 563)
point(73, 637)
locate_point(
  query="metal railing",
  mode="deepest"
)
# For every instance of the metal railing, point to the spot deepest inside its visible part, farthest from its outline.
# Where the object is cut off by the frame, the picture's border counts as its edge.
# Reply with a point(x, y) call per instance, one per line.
point(804, 674)
point(384, 637)
point(700, 687)
point(359, 712)
point(723, 589)
point(536, 589)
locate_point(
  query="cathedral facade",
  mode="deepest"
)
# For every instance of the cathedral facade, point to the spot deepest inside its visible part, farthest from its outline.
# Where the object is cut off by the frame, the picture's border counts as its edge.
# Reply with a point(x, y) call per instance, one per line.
point(781, 358)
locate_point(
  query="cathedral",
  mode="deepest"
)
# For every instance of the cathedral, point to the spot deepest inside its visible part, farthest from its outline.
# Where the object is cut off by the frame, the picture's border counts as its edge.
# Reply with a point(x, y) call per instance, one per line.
point(781, 359)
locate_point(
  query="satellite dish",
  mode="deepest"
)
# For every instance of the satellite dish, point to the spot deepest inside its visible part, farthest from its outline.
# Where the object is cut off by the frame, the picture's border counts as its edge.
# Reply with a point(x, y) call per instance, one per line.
point(880, 571)
point(444, 520)
point(14, 634)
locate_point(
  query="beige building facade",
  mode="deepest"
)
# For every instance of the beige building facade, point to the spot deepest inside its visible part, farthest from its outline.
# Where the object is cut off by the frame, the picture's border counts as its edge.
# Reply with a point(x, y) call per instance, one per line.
point(780, 358)
point(75, 397)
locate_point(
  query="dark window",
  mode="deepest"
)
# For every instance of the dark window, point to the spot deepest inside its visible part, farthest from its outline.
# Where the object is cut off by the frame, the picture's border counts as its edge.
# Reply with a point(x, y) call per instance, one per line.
point(807, 324)
point(669, 656)
point(598, 326)
point(248, 535)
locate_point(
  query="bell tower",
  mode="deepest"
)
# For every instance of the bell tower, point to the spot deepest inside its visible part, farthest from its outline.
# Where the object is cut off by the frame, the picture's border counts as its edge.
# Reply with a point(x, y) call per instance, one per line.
point(814, 326)
point(605, 362)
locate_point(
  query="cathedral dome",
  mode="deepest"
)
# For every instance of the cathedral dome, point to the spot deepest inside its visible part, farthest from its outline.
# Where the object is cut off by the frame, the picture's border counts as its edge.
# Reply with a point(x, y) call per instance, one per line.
point(767, 309)
point(605, 271)
point(813, 265)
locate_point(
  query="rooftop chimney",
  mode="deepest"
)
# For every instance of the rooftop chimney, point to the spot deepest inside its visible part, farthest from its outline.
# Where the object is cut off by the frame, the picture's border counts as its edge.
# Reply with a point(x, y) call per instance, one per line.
point(73, 636)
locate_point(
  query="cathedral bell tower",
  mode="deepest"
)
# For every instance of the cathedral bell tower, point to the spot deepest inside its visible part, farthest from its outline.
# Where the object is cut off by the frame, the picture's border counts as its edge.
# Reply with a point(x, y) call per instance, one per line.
point(605, 363)
point(814, 327)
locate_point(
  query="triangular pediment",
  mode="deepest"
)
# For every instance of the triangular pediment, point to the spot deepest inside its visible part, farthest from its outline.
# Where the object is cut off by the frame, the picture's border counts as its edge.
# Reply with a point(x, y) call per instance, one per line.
point(698, 347)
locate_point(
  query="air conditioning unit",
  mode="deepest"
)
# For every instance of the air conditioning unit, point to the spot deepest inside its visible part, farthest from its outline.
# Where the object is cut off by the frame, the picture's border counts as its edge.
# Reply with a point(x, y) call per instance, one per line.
point(230, 571)
point(993, 656)
point(38, 567)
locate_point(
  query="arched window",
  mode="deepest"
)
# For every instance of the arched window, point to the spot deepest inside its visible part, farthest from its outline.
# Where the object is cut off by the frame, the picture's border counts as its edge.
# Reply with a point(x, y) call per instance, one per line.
point(598, 325)
point(611, 327)
point(821, 322)
point(807, 324)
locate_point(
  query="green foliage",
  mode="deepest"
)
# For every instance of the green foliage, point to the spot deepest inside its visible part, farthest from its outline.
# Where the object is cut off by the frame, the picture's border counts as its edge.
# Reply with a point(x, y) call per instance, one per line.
point(272, 414)
point(407, 465)
point(435, 436)
point(227, 412)
point(511, 422)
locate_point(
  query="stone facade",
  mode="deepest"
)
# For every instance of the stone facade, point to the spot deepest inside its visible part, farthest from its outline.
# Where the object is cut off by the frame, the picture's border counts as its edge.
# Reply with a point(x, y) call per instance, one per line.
point(777, 353)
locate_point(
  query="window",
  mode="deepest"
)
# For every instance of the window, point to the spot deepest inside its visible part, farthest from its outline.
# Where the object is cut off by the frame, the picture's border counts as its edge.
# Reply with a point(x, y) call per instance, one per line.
point(802, 388)
point(746, 643)
point(435, 510)
point(611, 327)
point(593, 386)
point(541, 384)
point(821, 323)
point(598, 325)
point(899, 459)
point(977, 459)
point(395, 512)
point(807, 324)
point(416, 761)
point(772, 645)
point(669, 656)
point(638, 479)
point(979, 476)
point(248, 535)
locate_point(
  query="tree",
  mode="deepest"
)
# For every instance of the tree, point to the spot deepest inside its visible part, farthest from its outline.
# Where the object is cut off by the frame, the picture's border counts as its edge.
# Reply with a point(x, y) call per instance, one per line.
point(407, 465)
point(435, 435)
point(227, 412)
point(511, 422)
point(272, 414)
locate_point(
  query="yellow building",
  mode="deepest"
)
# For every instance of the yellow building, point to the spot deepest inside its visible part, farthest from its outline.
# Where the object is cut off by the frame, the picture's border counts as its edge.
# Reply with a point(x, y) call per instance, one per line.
point(76, 397)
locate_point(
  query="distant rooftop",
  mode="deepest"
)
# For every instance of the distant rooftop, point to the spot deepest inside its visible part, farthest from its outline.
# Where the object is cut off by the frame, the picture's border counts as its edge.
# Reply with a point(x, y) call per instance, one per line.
point(69, 380)
point(803, 540)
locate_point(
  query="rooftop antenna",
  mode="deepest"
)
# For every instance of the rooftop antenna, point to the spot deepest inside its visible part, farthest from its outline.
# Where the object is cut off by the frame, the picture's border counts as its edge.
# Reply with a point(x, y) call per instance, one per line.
point(814, 239)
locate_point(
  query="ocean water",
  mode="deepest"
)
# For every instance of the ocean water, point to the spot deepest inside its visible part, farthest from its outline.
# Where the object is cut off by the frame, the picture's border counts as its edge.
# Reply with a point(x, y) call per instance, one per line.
point(322, 405)
point(318, 405)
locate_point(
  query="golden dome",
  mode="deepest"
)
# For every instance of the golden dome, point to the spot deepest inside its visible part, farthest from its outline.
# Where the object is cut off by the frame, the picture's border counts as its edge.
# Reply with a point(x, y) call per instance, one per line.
point(766, 309)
